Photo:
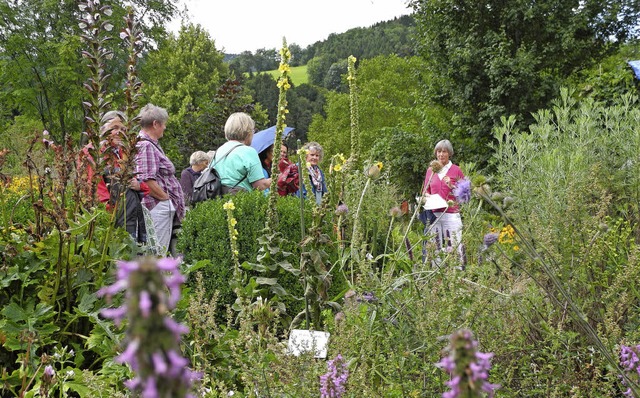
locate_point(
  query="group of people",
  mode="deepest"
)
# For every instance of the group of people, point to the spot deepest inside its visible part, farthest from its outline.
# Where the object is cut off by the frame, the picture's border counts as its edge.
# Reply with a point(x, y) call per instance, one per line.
point(241, 168)
point(156, 187)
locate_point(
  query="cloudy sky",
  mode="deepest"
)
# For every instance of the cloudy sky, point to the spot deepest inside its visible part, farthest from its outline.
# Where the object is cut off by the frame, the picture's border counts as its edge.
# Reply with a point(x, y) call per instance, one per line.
point(242, 25)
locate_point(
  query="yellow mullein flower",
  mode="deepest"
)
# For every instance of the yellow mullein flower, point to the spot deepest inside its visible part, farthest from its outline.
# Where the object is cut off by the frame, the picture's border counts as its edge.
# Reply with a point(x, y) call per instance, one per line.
point(229, 205)
point(337, 167)
point(379, 165)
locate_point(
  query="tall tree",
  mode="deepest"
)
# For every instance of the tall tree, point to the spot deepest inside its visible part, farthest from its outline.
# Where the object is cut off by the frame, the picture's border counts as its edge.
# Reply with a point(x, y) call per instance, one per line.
point(492, 58)
point(42, 69)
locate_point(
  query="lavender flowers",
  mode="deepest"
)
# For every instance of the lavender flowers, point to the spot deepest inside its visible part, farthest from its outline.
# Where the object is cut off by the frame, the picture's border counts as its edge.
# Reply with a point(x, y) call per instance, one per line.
point(468, 368)
point(462, 190)
point(153, 338)
point(630, 363)
point(333, 383)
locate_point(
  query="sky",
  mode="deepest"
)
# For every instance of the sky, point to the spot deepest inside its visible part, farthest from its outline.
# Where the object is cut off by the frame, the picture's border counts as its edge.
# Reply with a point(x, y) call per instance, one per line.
point(248, 25)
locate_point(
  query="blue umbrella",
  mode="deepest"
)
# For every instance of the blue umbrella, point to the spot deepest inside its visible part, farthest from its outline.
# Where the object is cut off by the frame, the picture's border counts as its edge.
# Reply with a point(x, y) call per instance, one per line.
point(264, 139)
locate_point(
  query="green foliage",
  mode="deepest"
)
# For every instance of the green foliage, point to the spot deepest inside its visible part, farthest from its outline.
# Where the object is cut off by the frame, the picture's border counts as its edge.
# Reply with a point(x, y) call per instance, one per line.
point(42, 68)
point(389, 114)
point(492, 59)
point(205, 237)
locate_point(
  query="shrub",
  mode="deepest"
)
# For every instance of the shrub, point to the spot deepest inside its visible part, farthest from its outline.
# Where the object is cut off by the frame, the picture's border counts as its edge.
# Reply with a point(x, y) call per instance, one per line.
point(205, 237)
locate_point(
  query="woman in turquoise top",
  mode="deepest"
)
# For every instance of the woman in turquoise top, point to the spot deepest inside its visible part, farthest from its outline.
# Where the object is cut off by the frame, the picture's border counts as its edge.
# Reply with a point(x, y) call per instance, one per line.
point(237, 163)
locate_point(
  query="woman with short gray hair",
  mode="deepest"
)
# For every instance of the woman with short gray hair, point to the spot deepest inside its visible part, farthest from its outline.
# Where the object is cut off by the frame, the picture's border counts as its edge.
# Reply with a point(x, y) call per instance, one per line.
point(165, 199)
point(236, 161)
point(315, 153)
point(198, 162)
point(441, 178)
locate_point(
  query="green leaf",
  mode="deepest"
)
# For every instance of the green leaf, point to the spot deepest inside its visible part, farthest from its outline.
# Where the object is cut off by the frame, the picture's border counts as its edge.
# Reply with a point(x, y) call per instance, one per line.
point(266, 281)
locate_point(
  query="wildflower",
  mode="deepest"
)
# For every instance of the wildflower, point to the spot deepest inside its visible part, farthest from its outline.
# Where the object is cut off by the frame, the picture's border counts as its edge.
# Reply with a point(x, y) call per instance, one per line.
point(630, 363)
point(153, 337)
point(395, 212)
point(368, 297)
point(462, 190)
point(342, 210)
point(229, 205)
point(332, 383)
point(468, 368)
point(435, 166)
point(49, 372)
point(490, 238)
point(337, 167)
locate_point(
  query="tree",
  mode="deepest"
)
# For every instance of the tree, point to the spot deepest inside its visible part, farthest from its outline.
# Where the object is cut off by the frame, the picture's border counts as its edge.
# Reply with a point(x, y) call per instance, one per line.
point(183, 75)
point(396, 126)
point(494, 58)
point(42, 71)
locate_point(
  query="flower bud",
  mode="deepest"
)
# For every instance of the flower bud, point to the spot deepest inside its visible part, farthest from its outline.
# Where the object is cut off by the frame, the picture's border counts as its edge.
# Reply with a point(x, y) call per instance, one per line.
point(342, 210)
point(395, 212)
point(435, 166)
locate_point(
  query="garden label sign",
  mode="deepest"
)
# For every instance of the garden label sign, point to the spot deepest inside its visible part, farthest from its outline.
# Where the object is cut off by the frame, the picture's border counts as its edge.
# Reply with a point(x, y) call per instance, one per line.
point(301, 341)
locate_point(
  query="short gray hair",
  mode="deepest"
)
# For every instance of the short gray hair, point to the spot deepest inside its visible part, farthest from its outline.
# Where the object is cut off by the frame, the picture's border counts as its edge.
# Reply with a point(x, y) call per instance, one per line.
point(109, 116)
point(238, 126)
point(150, 113)
point(199, 157)
point(444, 144)
point(314, 146)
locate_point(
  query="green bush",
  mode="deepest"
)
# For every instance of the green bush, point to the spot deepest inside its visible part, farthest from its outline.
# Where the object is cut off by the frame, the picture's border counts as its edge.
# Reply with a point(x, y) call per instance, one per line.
point(205, 236)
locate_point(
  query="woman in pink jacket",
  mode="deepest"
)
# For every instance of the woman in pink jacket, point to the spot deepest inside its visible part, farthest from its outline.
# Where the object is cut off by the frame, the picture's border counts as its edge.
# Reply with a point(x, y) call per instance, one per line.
point(448, 224)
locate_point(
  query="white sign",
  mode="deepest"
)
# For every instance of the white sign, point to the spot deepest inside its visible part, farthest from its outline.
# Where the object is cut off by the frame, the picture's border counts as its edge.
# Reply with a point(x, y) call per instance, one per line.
point(301, 341)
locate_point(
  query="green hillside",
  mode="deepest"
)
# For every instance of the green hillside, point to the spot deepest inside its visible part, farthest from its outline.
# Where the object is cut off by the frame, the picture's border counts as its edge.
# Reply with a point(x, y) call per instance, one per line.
point(298, 74)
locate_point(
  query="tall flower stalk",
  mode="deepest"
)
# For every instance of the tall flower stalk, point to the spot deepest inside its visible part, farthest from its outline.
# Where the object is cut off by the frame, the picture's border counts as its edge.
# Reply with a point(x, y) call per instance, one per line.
point(355, 111)
point(372, 172)
point(283, 85)
point(153, 337)
point(94, 24)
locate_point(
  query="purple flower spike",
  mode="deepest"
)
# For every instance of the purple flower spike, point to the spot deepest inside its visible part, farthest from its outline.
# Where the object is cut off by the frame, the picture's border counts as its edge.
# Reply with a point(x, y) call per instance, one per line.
point(333, 383)
point(462, 190)
point(145, 303)
point(490, 239)
point(468, 368)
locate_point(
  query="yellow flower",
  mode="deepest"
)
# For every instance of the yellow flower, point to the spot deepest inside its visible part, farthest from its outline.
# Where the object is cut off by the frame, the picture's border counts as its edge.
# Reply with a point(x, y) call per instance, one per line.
point(284, 68)
point(516, 248)
point(233, 222)
point(337, 167)
point(341, 158)
point(308, 164)
point(379, 165)
point(235, 252)
point(229, 205)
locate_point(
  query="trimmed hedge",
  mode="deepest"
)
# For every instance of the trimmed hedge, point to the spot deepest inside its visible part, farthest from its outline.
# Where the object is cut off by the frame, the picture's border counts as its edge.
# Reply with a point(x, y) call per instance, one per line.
point(205, 236)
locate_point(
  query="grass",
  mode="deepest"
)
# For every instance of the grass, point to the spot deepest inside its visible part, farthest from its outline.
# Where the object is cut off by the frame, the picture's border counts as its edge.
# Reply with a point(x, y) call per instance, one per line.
point(298, 74)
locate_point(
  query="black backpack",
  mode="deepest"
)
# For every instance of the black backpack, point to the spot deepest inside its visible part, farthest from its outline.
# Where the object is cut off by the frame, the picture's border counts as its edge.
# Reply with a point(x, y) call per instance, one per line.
point(209, 185)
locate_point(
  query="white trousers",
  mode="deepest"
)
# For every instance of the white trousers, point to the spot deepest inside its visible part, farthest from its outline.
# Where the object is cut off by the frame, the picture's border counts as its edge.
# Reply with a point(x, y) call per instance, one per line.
point(448, 231)
point(162, 216)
